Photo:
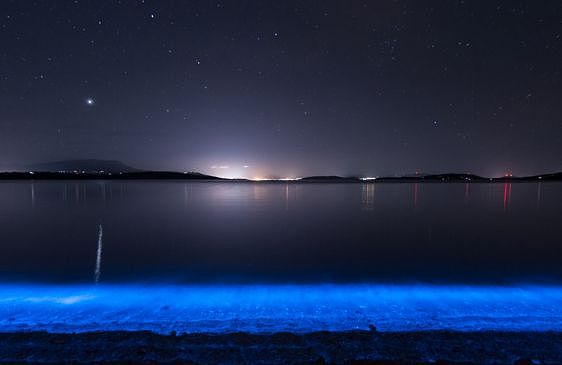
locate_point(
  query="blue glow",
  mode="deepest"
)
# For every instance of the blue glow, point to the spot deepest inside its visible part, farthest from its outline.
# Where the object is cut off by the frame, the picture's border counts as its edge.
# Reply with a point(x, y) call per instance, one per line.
point(271, 308)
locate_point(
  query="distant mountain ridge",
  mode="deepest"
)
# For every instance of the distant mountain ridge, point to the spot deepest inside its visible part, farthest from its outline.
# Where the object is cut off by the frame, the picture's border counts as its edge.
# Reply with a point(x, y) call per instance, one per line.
point(85, 169)
point(88, 165)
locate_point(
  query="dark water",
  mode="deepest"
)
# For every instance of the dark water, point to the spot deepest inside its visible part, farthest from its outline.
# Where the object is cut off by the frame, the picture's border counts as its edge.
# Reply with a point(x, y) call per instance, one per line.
point(176, 232)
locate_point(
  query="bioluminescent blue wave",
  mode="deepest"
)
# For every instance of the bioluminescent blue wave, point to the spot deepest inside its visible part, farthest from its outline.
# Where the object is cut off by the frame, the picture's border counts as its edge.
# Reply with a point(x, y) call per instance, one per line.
point(271, 308)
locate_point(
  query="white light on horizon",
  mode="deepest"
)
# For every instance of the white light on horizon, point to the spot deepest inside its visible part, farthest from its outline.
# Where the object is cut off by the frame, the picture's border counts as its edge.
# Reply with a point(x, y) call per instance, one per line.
point(280, 179)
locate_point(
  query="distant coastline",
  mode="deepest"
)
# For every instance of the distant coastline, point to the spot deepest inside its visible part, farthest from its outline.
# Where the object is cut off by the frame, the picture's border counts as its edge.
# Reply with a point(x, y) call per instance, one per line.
point(195, 176)
point(92, 169)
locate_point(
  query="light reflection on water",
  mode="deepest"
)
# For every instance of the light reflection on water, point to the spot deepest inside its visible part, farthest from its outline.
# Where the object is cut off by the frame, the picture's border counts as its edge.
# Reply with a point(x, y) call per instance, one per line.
point(222, 257)
point(183, 232)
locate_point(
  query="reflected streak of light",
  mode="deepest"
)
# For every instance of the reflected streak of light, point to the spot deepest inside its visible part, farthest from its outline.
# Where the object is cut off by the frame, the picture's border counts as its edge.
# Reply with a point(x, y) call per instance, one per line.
point(539, 194)
point(186, 193)
point(368, 196)
point(506, 195)
point(287, 197)
point(260, 192)
point(415, 195)
point(33, 195)
point(97, 272)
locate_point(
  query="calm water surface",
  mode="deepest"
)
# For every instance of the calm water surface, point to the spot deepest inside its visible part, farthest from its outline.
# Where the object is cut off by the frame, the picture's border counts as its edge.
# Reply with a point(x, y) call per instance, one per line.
point(201, 232)
point(263, 257)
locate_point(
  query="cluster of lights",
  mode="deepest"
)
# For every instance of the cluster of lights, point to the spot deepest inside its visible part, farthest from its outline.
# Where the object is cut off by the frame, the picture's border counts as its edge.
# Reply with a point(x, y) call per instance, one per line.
point(101, 172)
point(281, 179)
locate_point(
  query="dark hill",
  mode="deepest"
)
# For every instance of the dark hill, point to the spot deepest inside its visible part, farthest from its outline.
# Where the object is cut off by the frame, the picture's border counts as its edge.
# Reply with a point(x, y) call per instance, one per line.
point(87, 165)
point(454, 177)
point(556, 176)
point(166, 175)
point(140, 175)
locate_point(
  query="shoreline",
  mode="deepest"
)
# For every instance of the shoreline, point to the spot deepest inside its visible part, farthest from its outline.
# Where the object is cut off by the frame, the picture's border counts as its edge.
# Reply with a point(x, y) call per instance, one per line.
point(194, 176)
point(284, 182)
point(373, 347)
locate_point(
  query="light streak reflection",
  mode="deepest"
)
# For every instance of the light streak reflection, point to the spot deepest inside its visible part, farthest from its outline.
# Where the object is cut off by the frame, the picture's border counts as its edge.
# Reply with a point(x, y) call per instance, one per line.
point(97, 272)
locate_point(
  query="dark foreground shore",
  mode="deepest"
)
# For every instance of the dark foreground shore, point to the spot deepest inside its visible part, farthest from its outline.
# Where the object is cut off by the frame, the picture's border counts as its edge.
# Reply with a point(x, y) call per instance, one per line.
point(285, 348)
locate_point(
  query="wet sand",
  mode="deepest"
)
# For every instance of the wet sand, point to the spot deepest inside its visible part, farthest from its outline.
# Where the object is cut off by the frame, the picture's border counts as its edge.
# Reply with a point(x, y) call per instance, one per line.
point(285, 348)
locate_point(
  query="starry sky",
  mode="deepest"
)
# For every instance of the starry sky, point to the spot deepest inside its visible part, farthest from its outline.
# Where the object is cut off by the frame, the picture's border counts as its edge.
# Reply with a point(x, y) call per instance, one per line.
point(284, 88)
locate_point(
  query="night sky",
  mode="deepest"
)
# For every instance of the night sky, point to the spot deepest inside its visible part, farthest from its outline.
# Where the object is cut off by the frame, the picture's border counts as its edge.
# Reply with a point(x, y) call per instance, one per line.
point(284, 88)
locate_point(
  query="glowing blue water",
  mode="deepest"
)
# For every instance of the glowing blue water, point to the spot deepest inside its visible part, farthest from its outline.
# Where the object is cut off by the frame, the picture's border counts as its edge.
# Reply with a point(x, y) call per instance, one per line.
point(300, 308)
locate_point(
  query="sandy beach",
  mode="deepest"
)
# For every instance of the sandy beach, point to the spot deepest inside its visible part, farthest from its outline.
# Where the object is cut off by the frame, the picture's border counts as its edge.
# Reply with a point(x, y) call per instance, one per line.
point(285, 348)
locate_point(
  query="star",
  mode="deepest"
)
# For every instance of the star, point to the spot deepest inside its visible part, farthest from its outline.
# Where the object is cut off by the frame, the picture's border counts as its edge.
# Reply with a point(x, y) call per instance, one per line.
point(90, 101)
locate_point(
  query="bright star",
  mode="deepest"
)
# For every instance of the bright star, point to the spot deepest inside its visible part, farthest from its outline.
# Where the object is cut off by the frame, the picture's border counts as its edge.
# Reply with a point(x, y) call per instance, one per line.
point(90, 101)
